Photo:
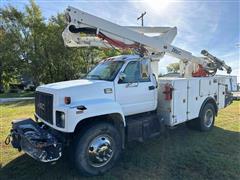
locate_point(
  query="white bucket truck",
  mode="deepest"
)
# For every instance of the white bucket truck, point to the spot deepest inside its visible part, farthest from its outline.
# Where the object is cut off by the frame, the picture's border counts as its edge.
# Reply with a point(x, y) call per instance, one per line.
point(121, 99)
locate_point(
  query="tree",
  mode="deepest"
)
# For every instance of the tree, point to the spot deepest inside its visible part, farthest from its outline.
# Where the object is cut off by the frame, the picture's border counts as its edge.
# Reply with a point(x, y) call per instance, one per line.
point(35, 54)
point(33, 47)
point(173, 68)
point(12, 49)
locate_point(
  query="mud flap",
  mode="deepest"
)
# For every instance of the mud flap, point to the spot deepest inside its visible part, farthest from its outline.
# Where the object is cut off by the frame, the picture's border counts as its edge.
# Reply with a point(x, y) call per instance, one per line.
point(28, 136)
point(228, 99)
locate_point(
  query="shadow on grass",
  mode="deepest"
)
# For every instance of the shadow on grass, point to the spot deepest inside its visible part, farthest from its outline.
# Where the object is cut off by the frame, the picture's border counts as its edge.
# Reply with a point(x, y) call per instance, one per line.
point(178, 154)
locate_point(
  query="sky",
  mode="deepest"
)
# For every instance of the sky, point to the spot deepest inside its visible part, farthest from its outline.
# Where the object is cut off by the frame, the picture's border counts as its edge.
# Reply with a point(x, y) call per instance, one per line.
point(213, 25)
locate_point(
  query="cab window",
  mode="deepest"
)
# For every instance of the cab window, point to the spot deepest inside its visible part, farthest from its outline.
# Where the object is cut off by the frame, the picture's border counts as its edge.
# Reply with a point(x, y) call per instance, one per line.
point(132, 72)
point(136, 71)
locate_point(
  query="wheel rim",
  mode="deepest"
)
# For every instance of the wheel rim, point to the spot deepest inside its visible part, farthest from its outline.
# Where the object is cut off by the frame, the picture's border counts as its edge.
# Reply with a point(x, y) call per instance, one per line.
point(100, 151)
point(208, 118)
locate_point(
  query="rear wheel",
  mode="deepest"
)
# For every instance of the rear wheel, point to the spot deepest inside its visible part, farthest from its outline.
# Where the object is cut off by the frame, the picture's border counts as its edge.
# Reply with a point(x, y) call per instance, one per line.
point(205, 121)
point(97, 149)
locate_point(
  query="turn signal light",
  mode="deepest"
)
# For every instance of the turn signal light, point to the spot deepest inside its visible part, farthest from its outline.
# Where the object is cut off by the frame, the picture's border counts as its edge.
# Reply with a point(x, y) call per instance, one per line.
point(67, 100)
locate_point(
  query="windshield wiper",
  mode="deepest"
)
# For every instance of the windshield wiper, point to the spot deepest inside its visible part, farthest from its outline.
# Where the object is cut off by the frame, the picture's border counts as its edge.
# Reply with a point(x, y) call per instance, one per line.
point(96, 76)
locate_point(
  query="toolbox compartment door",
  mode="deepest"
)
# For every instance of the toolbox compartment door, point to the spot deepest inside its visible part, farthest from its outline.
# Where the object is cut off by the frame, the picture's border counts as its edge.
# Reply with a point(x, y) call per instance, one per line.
point(208, 86)
point(194, 101)
point(179, 101)
point(221, 93)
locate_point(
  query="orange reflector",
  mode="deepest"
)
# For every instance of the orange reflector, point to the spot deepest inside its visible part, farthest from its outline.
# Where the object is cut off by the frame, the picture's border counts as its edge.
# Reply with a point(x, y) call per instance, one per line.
point(67, 100)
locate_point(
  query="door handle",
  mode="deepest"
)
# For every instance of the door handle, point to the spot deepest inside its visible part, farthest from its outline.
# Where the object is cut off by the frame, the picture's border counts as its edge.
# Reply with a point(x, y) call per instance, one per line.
point(132, 85)
point(151, 88)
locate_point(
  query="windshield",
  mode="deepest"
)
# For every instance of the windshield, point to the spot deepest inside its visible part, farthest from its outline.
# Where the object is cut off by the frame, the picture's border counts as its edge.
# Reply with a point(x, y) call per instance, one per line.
point(105, 71)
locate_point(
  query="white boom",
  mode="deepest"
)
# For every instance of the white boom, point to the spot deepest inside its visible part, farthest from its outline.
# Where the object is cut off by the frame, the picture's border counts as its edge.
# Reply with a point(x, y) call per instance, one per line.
point(88, 30)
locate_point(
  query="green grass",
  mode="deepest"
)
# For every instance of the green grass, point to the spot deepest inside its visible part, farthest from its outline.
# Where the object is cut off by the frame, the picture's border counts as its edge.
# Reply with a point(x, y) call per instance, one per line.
point(179, 154)
point(20, 94)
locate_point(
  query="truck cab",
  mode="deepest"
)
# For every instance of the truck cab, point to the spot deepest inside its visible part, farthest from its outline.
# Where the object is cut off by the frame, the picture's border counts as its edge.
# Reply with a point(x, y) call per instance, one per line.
point(123, 85)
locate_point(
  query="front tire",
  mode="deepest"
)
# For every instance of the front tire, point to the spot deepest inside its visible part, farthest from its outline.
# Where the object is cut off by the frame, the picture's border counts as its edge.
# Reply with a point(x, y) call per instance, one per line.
point(97, 149)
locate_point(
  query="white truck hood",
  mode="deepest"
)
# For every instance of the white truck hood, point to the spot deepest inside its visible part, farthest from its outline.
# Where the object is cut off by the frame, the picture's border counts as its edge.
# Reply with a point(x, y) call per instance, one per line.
point(78, 90)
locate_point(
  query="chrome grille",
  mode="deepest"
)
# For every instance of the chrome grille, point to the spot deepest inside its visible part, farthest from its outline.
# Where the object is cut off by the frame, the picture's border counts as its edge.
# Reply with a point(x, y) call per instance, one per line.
point(44, 106)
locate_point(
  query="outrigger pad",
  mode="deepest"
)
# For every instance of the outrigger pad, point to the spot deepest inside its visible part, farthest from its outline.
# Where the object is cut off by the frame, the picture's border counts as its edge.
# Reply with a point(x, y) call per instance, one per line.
point(29, 136)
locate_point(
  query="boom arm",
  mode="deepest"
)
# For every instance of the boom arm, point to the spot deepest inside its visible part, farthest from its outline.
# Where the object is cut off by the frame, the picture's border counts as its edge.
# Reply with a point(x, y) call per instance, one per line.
point(87, 30)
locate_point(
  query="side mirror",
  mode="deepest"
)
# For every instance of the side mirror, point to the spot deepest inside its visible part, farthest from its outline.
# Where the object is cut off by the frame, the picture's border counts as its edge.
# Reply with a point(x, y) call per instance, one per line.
point(122, 76)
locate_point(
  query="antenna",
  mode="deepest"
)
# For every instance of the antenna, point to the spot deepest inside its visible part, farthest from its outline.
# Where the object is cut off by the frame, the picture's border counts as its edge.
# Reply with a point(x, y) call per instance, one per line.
point(141, 17)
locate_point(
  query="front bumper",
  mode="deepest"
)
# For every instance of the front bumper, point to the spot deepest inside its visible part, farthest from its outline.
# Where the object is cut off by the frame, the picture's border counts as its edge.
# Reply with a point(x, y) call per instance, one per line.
point(35, 140)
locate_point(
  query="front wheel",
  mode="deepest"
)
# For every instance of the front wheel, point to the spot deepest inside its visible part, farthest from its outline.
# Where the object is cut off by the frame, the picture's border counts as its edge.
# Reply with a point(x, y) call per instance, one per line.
point(97, 149)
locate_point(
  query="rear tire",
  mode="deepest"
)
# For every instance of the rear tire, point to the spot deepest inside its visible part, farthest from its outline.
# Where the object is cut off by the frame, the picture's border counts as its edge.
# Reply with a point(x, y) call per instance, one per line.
point(205, 121)
point(97, 149)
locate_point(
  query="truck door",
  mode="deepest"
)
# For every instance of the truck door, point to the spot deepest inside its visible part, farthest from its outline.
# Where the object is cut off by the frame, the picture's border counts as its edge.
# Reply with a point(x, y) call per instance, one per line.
point(136, 93)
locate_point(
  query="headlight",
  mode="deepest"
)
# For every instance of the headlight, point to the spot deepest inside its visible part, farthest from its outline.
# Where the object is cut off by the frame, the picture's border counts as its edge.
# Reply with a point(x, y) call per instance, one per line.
point(60, 119)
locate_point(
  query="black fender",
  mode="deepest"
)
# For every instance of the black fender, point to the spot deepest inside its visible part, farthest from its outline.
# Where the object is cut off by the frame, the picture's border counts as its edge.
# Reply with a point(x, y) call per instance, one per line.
point(209, 100)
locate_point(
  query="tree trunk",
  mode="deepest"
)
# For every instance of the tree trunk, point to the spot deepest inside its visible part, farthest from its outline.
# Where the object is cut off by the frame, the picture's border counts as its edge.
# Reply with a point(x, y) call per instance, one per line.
point(1, 79)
